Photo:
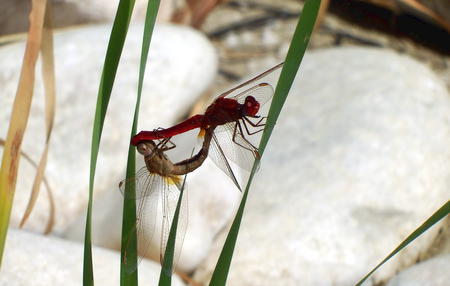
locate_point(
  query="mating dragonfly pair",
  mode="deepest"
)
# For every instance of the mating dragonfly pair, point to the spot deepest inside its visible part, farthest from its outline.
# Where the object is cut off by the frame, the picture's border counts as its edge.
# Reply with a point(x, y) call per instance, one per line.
point(225, 127)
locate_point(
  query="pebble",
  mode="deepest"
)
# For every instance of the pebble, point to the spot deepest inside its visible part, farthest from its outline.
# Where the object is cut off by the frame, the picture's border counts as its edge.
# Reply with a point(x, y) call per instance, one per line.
point(432, 272)
point(357, 161)
point(32, 259)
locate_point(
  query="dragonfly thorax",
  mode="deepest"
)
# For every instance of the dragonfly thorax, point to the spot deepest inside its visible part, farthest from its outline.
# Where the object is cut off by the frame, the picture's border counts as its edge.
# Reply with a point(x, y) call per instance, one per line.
point(155, 160)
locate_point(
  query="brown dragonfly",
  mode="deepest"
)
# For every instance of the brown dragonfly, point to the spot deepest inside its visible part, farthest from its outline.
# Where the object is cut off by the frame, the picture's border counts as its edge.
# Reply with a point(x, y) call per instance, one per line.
point(161, 181)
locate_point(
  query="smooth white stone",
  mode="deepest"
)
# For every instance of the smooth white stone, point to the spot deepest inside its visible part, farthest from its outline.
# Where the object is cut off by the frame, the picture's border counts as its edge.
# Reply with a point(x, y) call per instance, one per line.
point(32, 259)
point(357, 161)
point(432, 272)
point(182, 63)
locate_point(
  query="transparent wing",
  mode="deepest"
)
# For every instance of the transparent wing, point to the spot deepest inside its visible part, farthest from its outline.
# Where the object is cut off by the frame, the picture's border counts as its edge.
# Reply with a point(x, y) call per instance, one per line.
point(140, 183)
point(233, 141)
point(169, 204)
point(262, 92)
point(148, 187)
point(254, 79)
point(217, 155)
point(237, 149)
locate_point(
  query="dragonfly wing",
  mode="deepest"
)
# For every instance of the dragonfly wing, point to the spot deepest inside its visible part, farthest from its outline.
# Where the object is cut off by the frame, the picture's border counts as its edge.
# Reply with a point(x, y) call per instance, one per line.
point(262, 92)
point(218, 156)
point(147, 194)
point(254, 79)
point(139, 182)
point(149, 186)
point(170, 196)
point(239, 151)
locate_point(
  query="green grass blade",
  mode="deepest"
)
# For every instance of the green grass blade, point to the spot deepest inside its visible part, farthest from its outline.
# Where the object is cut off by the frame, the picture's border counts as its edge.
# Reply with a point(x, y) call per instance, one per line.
point(114, 51)
point(294, 57)
point(437, 216)
point(129, 238)
point(220, 273)
point(165, 277)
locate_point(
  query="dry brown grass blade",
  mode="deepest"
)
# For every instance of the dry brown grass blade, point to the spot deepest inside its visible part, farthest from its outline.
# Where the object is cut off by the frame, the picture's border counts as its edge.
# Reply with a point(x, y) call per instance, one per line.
point(195, 12)
point(19, 118)
point(201, 10)
point(414, 7)
point(186, 278)
point(52, 208)
point(421, 8)
point(48, 72)
point(323, 10)
point(51, 201)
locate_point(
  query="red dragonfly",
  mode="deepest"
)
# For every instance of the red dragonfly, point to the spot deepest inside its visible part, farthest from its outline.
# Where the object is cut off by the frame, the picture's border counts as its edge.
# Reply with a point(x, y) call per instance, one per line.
point(160, 181)
point(236, 115)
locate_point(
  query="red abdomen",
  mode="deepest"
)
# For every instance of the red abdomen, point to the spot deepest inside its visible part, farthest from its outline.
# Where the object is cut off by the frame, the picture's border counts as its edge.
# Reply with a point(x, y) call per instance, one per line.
point(193, 122)
point(221, 111)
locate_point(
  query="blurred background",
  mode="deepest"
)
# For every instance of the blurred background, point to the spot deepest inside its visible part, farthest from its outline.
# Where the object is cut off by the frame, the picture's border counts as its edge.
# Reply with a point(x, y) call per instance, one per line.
point(248, 31)
point(362, 146)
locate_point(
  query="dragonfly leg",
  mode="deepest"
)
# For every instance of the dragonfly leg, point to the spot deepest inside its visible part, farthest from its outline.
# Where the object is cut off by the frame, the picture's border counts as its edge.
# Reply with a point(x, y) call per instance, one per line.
point(166, 144)
point(257, 124)
point(250, 146)
point(156, 131)
point(252, 124)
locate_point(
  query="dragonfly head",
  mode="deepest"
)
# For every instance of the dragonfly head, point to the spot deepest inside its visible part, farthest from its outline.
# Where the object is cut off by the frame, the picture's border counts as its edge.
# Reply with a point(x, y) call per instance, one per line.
point(251, 106)
point(146, 148)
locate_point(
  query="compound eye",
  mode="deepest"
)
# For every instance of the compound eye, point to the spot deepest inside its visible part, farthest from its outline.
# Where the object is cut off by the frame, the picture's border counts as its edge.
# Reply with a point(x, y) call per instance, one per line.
point(142, 148)
point(146, 148)
point(251, 106)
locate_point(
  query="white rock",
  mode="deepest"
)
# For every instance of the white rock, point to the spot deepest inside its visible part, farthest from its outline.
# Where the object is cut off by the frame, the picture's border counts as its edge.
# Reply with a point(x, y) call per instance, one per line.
point(357, 161)
point(14, 13)
point(432, 272)
point(181, 65)
point(32, 259)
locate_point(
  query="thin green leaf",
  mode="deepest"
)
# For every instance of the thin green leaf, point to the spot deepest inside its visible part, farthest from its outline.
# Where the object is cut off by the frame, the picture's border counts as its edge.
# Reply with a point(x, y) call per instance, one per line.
point(437, 216)
point(165, 277)
point(294, 57)
point(113, 53)
point(129, 238)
